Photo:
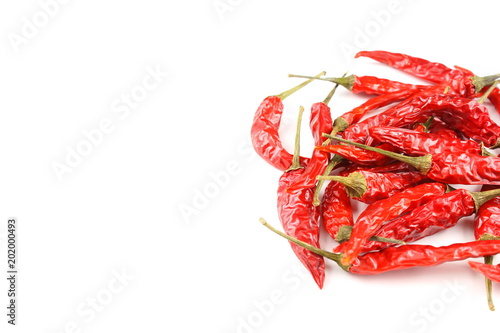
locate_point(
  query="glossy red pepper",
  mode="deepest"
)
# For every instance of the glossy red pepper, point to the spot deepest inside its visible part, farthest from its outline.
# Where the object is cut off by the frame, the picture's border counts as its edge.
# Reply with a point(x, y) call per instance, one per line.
point(463, 114)
point(371, 85)
point(298, 216)
point(320, 122)
point(358, 155)
point(448, 167)
point(265, 130)
point(404, 256)
point(336, 209)
point(376, 214)
point(413, 142)
point(368, 187)
point(491, 272)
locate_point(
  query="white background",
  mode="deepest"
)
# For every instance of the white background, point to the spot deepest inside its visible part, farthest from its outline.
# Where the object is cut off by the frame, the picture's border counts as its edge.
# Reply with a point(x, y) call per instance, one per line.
point(213, 268)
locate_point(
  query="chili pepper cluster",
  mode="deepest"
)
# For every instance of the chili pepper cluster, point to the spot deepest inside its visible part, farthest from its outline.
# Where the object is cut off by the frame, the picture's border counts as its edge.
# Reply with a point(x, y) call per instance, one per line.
point(408, 152)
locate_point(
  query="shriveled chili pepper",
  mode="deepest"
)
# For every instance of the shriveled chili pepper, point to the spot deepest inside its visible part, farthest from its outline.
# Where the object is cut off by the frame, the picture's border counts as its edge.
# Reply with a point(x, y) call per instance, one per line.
point(264, 132)
point(371, 85)
point(336, 208)
point(320, 122)
point(463, 114)
point(379, 212)
point(438, 214)
point(404, 256)
point(460, 79)
point(395, 167)
point(298, 216)
point(418, 143)
point(487, 226)
point(358, 155)
point(491, 272)
point(368, 187)
point(448, 167)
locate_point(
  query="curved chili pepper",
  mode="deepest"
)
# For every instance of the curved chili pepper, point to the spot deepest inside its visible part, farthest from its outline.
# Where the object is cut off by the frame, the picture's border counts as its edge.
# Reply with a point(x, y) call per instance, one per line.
point(404, 256)
point(418, 143)
point(264, 132)
point(463, 114)
point(448, 167)
point(460, 80)
point(379, 212)
point(368, 187)
point(298, 216)
point(371, 85)
point(336, 208)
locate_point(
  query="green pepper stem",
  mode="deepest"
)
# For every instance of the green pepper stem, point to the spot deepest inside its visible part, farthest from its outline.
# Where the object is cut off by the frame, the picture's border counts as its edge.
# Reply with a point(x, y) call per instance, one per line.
point(481, 197)
point(355, 183)
point(330, 255)
point(296, 152)
point(481, 82)
point(421, 163)
point(345, 81)
point(345, 231)
point(489, 285)
point(488, 92)
point(332, 164)
point(287, 93)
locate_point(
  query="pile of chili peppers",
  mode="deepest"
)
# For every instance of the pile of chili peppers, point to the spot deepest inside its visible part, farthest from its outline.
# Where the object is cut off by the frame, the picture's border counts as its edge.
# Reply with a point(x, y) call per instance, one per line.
point(409, 153)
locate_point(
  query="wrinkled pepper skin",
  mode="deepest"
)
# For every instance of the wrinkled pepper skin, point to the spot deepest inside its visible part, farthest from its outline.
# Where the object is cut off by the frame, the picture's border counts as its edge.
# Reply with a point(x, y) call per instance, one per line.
point(373, 85)
point(265, 136)
point(462, 114)
point(492, 272)
point(300, 219)
point(418, 143)
point(439, 214)
point(463, 168)
point(336, 208)
point(320, 122)
point(487, 220)
point(358, 155)
point(417, 255)
point(376, 214)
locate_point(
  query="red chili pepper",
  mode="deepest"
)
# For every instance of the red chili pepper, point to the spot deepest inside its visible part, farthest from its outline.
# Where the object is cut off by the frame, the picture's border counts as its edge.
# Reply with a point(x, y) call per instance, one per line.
point(371, 85)
point(448, 167)
point(368, 187)
point(298, 216)
point(264, 132)
point(379, 212)
point(358, 155)
point(491, 272)
point(431, 71)
point(413, 142)
point(404, 256)
point(336, 208)
point(320, 122)
point(463, 114)
point(395, 167)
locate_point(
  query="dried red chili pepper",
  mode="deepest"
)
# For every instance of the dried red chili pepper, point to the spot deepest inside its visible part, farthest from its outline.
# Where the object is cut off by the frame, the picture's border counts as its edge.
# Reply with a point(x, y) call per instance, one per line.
point(379, 212)
point(368, 187)
point(462, 114)
point(298, 216)
point(460, 80)
point(371, 85)
point(491, 272)
point(448, 167)
point(418, 143)
point(404, 256)
point(264, 132)
point(336, 208)
point(320, 122)
point(358, 155)
point(438, 214)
